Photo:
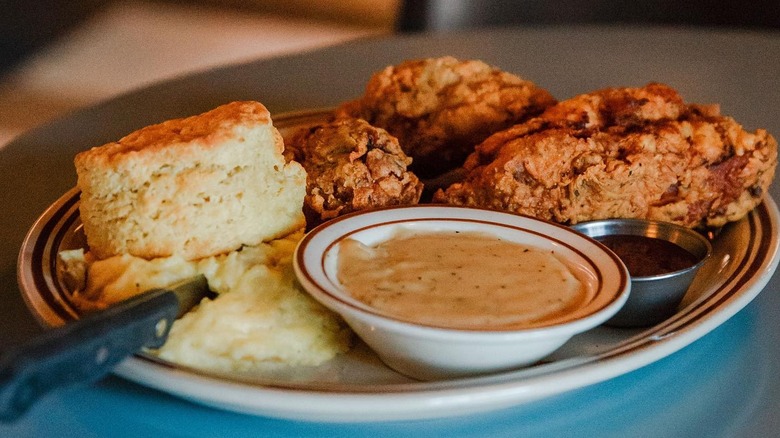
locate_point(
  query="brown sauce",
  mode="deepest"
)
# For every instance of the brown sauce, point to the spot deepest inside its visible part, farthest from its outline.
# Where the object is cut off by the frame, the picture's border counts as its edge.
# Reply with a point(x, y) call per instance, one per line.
point(460, 280)
point(647, 256)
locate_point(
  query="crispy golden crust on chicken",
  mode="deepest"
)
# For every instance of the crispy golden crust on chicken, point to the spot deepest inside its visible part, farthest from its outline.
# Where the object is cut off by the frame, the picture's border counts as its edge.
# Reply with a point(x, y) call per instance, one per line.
point(351, 166)
point(622, 153)
point(439, 108)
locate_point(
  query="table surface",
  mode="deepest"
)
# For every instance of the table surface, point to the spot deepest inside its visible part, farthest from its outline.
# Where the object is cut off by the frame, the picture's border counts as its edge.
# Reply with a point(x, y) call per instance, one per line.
point(724, 384)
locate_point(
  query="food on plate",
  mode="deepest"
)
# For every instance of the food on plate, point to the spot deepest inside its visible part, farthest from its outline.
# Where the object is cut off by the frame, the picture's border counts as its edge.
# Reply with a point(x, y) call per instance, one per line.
point(193, 187)
point(462, 280)
point(220, 194)
point(210, 194)
point(260, 320)
point(350, 166)
point(439, 108)
point(96, 284)
point(622, 153)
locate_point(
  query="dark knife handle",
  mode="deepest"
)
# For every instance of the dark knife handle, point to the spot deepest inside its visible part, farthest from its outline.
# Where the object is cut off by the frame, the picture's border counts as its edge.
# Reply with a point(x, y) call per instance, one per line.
point(83, 351)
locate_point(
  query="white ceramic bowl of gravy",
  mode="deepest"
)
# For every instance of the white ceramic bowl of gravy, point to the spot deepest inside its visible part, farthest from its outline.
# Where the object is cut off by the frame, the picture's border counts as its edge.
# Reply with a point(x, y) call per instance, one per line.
point(511, 307)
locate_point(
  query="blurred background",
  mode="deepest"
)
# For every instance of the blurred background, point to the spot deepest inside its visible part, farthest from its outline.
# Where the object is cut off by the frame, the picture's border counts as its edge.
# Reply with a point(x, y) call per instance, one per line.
point(59, 55)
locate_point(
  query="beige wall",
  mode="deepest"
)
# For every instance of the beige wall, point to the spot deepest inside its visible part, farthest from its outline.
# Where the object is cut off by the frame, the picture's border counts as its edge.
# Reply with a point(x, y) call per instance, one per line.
point(361, 12)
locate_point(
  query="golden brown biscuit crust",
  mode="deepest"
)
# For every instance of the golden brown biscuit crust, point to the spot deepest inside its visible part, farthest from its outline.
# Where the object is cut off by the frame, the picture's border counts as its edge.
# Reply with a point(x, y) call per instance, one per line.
point(209, 129)
point(192, 187)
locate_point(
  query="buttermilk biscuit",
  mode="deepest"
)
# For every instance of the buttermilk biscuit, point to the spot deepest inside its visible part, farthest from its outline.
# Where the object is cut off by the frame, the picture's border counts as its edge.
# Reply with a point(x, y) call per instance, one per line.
point(192, 187)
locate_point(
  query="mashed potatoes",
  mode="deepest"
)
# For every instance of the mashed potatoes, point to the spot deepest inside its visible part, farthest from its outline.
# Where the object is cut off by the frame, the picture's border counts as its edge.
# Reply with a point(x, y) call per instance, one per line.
point(260, 319)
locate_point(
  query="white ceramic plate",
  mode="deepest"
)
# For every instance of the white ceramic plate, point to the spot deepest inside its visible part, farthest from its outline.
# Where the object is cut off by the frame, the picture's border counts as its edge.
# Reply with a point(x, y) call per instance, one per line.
point(358, 387)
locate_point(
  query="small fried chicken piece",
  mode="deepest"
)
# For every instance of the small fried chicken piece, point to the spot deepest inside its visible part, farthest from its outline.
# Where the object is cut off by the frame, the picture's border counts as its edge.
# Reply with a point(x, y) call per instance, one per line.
point(440, 108)
point(351, 166)
point(622, 153)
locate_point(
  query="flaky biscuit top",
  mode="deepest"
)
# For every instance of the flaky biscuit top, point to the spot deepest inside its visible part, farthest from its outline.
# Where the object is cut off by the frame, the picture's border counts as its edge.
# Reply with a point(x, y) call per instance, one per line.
point(194, 187)
point(211, 128)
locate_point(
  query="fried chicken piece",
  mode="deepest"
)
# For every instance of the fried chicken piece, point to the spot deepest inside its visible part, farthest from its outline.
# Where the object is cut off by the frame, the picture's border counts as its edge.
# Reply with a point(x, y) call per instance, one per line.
point(622, 153)
point(351, 166)
point(439, 108)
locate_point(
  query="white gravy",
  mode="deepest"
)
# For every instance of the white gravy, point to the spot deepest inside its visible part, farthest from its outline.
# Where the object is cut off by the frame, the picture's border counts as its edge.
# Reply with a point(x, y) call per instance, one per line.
point(453, 279)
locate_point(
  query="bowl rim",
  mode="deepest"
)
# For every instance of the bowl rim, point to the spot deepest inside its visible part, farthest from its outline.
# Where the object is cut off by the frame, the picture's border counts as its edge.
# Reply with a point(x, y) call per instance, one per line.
point(309, 263)
point(579, 227)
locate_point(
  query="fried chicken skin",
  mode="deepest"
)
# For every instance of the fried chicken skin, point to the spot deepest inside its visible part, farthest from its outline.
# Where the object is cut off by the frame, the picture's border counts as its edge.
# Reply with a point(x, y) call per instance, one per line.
point(351, 166)
point(439, 108)
point(622, 153)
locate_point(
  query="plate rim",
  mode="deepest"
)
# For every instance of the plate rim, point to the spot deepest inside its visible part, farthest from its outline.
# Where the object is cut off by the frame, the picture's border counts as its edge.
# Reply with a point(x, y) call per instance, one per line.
point(420, 400)
point(440, 401)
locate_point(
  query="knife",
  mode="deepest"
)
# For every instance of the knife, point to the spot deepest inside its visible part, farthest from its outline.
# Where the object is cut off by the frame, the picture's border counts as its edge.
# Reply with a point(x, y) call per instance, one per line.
point(85, 350)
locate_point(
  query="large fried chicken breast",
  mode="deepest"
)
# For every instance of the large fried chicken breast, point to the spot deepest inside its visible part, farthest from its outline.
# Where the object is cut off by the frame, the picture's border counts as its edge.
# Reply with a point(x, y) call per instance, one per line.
point(350, 166)
point(622, 153)
point(439, 108)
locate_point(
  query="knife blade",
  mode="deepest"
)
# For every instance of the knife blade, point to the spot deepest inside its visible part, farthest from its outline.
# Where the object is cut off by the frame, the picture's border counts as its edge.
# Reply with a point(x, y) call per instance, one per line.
point(85, 350)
